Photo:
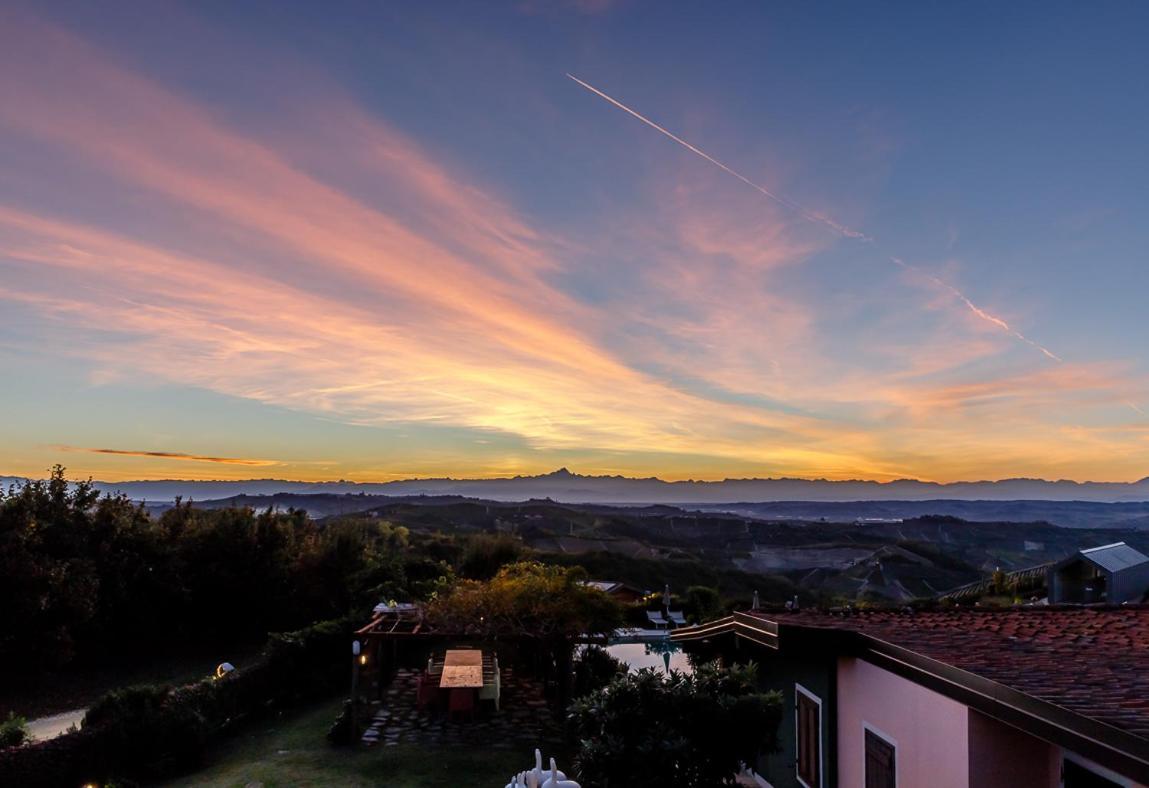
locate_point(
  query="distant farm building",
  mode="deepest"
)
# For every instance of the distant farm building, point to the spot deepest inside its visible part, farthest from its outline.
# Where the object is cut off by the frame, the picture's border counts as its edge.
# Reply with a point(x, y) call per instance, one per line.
point(1110, 574)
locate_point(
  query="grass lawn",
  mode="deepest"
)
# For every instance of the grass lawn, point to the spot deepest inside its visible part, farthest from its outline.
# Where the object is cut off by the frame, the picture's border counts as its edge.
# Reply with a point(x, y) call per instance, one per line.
point(294, 751)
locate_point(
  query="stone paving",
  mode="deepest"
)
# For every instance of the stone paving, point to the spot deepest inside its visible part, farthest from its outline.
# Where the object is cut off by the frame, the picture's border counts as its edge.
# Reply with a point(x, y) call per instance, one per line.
point(524, 716)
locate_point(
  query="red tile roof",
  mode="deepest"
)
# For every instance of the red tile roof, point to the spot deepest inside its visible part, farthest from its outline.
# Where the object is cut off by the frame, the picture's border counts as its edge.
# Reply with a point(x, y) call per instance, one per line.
point(1093, 661)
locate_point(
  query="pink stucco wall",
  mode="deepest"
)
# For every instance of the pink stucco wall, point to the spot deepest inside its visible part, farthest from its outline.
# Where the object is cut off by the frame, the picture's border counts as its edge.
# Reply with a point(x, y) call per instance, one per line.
point(1001, 756)
point(939, 742)
point(930, 731)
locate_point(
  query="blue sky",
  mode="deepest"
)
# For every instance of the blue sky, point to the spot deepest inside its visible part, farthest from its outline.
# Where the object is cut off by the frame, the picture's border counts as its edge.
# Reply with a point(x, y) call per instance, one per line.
point(394, 239)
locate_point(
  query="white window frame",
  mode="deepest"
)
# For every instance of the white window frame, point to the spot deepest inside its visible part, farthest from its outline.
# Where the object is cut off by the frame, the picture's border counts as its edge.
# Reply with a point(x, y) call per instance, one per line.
point(758, 779)
point(798, 688)
point(888, 739)
point(1089, 765)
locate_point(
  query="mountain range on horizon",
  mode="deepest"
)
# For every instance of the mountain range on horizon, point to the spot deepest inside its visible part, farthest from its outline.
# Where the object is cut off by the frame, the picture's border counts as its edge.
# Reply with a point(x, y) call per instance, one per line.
point(567, 487)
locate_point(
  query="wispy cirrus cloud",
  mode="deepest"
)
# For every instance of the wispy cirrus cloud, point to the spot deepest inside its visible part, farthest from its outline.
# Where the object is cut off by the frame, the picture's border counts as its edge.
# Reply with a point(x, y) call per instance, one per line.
point(820, 218)
point(243, 335)
point(341, 267)
point(453, 325)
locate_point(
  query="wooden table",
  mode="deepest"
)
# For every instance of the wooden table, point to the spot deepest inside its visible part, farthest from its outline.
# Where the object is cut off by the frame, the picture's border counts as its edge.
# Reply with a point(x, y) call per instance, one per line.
point(462, 676)
point(464, 656)
point(462, 668)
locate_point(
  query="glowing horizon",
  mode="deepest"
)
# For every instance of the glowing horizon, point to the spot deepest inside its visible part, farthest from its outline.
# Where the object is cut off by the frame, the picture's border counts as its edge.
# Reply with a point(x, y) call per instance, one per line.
point(396, 248)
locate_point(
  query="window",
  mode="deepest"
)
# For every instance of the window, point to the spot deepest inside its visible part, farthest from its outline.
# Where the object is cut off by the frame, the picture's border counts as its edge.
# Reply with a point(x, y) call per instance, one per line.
point(881, 762)
point(808, 726)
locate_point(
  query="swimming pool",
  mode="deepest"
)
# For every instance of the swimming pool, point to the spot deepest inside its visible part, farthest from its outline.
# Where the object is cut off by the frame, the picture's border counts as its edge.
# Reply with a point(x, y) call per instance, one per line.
point(661, 654)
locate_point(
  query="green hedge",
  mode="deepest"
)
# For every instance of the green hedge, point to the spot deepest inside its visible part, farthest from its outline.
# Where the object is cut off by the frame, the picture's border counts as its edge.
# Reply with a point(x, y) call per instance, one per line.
point(13, 731)
point(146, 731)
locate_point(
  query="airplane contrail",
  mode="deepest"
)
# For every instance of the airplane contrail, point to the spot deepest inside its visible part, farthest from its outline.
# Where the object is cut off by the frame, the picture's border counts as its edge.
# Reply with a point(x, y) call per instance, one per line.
point(824, 220)
point(808, 215)
point(958, 294)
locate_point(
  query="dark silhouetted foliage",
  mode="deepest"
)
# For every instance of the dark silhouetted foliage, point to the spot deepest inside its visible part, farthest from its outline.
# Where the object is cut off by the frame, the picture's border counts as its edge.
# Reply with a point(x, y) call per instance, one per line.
point(689, 731)
point(594, 669)
point(526, 599)
point(13, 731)
point(145, 732)
point(484, 554)
point(703, 603)
point(90, 577)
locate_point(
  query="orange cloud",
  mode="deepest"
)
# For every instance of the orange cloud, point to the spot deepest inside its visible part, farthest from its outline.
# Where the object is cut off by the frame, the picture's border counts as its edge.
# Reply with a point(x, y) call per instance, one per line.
point(433, 300)
point(1050, 387)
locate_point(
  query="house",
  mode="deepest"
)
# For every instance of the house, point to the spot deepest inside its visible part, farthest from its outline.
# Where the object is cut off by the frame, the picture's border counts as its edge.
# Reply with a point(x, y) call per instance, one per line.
point(622, 592)
point(1111, 574)
point(1049, 697)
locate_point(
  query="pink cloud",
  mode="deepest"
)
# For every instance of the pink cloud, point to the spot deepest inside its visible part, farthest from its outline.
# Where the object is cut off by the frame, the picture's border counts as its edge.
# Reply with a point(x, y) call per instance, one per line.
point(442, 305)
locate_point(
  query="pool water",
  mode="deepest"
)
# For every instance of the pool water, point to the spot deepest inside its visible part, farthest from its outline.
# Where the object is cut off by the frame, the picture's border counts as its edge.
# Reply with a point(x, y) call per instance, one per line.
point(659, 655)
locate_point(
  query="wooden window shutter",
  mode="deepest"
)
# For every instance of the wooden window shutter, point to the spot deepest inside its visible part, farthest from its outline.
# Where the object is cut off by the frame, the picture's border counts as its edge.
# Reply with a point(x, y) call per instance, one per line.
point(880, 762)
point(809, 742)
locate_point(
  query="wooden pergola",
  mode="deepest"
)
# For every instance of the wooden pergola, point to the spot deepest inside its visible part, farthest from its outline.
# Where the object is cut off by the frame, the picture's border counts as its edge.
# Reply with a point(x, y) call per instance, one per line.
point(391, 623)
point(377, 644)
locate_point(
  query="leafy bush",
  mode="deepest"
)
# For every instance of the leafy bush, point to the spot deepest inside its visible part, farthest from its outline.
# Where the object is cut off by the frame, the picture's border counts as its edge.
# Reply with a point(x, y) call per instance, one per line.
point(13, 731)
point(485, 554)
point(149, 730)
point(149, 722)
point(594, 669)
point(689, 731)
point(526, 599)
point(340, 731)
point(704, 603)
point(85, 577)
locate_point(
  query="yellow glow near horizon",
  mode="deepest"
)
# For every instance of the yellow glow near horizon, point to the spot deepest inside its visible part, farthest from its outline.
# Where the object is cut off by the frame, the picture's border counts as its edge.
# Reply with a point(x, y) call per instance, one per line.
point(341, 269)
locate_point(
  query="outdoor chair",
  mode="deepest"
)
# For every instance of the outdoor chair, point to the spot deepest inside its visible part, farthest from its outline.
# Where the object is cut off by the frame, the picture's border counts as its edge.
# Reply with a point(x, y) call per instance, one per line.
point(677, 617)
point(491, 691)
point(462, 702)
point(427, 693)
point(655, 617)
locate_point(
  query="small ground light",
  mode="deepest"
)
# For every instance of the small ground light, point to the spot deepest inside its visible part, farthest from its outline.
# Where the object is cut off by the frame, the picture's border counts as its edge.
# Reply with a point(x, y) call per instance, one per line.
point(362, 659)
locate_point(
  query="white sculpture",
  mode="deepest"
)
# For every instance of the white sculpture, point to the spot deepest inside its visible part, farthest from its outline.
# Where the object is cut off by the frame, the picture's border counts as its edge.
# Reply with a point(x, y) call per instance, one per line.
point(558, 779)
point(539, 774)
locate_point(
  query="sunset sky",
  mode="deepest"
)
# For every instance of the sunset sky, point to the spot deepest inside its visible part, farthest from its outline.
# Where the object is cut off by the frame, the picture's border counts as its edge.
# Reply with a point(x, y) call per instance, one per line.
point(372, 240)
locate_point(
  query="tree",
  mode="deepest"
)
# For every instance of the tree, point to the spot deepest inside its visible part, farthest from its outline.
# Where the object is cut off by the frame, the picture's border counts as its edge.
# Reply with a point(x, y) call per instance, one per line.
point(998, 581)
point(486, 553)
point(686, 730)
point(594, 669)
point(704, 603)
point(526, 599)
point(13, 731)
point(91, 577)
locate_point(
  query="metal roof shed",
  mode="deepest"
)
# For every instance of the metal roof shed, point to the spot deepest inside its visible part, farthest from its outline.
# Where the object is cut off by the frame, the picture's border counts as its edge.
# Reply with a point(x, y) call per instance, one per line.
point(1112, 574)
